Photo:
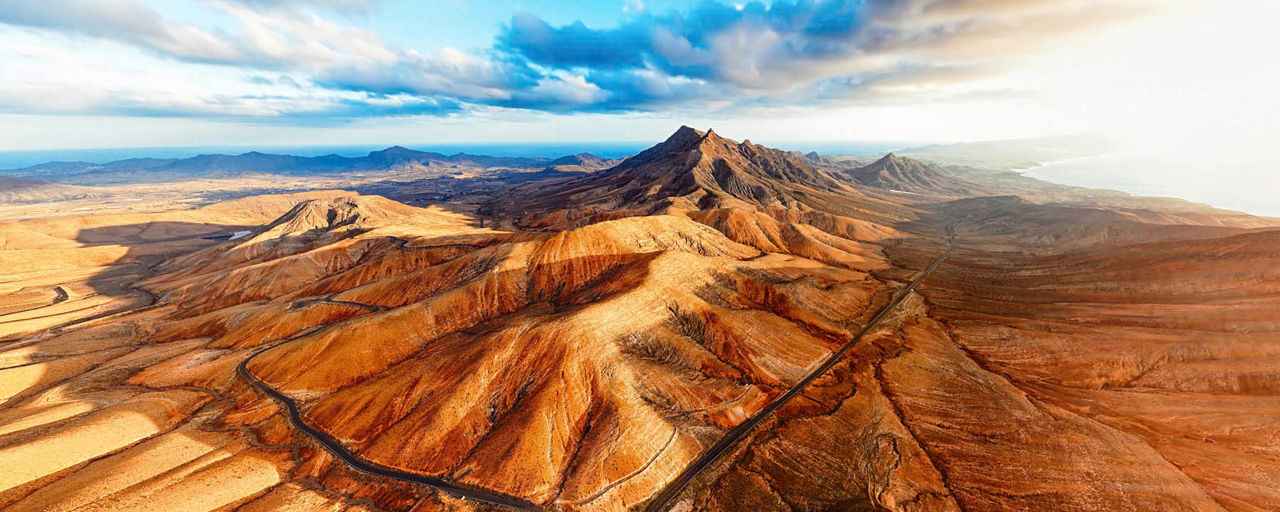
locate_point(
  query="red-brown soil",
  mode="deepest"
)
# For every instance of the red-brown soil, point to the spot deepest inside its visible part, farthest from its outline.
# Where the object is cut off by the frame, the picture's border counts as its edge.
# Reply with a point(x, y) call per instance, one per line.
point(613, 327)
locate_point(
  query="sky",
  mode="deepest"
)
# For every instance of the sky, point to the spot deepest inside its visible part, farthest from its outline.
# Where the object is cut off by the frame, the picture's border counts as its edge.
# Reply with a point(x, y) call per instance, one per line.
point(1195, 77)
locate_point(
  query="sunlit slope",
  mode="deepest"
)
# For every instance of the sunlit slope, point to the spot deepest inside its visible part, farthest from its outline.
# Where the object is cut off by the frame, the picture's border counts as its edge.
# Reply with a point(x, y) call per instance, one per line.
point(615, 326)
point(580, 369)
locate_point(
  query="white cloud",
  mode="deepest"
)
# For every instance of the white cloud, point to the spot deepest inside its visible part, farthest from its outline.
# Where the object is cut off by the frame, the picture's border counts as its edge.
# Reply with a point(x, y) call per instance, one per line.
point(1179, 76)
point(567, 89)
point(122, 20)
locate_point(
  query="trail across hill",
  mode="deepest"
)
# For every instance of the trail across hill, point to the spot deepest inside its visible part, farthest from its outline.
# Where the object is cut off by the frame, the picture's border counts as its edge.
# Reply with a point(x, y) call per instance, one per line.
point(662, 500)
point(659, 503)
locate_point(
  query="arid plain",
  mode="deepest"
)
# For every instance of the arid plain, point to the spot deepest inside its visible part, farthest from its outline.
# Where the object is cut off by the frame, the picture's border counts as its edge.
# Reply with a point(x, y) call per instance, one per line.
point(706, 325)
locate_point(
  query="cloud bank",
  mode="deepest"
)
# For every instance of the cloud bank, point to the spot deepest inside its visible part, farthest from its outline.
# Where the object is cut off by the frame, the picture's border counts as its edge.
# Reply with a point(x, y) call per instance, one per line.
point(308, 63)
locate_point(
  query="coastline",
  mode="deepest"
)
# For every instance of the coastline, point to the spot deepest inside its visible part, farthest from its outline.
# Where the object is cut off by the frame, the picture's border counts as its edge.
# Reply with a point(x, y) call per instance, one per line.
point(1246, 188)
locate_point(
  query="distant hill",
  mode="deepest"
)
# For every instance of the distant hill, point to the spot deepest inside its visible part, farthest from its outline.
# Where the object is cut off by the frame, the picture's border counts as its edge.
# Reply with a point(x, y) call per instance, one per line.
point(24, 190)
point(831, 161)
point(901, 174)
point(218, 165)
point(1012, 154)
point(581, 162)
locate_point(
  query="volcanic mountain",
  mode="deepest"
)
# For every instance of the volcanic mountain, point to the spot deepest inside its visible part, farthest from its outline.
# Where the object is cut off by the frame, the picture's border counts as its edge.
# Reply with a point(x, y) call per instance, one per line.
point(693, 170)
point(605, 334)
point(901, 174)
point(758, 196)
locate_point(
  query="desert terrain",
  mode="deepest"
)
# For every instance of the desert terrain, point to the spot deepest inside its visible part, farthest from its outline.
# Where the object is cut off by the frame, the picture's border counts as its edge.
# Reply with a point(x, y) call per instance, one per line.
point(707, 325)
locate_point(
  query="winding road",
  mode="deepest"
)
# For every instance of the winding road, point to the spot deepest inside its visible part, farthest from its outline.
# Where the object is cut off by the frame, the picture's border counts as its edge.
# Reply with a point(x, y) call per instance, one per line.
point(659, 503)
point(662, 501)
point(364, 466)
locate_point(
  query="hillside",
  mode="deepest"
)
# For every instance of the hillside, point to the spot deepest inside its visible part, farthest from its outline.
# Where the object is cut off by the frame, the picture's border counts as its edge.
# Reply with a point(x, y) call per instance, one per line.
point(599, 335)
point(21, 190)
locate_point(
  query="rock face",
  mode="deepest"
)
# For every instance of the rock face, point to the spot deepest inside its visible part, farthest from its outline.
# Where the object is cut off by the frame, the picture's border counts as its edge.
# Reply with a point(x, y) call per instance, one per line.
point(617, 325)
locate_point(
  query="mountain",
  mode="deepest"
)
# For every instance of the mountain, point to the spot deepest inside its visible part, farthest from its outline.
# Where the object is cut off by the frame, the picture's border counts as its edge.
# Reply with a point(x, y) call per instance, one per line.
point(584, 160)
point(901, 174)
point(707, 169)
point(697, 171)
point(526, 364)
point(218, 165)
point(708, 326)
point(581, 162)
point(758, 196)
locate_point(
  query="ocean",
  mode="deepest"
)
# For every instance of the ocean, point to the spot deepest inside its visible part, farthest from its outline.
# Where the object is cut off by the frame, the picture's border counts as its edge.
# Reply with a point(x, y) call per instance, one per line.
point(1248, 186)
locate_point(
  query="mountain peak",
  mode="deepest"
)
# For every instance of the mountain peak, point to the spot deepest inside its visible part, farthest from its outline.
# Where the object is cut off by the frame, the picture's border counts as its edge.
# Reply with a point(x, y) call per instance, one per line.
point(683, 136)
point(701, 170)
point(581, 159)
point(393, 150)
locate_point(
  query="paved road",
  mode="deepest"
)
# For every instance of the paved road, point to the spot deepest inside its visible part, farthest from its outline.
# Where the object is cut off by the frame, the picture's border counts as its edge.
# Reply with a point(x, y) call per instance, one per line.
point(60, 294)
point(658, 504)
point(663, 499)
point(359, 464)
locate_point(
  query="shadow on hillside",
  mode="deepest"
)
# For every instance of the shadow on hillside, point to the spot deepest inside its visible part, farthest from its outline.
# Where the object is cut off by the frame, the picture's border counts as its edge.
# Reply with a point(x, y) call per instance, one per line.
point(96, 279)
point(148, 245)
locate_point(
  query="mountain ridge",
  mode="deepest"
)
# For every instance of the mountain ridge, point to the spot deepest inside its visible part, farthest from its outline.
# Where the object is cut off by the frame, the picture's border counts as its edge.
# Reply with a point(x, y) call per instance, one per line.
point(694, 170)
point(902, 174)
point(207, 164)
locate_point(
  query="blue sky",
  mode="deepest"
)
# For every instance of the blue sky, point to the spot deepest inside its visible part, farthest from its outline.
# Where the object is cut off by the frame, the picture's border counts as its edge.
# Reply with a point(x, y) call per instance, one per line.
point(131, 73)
